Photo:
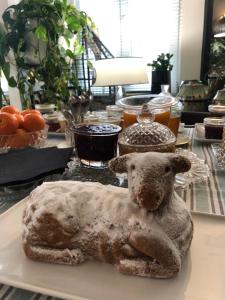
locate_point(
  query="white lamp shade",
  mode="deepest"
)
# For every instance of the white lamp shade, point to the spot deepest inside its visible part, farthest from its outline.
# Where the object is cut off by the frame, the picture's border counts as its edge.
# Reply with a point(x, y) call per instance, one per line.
point(120, 71)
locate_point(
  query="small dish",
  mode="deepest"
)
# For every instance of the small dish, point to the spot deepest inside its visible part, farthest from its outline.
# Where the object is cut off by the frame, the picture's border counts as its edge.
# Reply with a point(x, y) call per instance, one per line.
point(218, 153)
point(199, 134)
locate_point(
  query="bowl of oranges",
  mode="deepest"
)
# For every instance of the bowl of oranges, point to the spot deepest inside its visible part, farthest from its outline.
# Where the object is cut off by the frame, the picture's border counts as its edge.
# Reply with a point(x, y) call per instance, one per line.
point(21, 129)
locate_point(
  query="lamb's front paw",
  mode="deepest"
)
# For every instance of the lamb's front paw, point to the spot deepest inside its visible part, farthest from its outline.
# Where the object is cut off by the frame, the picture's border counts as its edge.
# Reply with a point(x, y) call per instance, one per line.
point(60, 256)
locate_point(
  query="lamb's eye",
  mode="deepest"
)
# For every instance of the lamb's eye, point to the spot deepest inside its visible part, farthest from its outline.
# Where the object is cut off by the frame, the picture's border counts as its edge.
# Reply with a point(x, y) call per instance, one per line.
point(167, 169)
point(132, 167)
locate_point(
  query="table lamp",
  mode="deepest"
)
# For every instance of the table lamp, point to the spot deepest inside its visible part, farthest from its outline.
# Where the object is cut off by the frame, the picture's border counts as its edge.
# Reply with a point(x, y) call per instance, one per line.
point(119, 72)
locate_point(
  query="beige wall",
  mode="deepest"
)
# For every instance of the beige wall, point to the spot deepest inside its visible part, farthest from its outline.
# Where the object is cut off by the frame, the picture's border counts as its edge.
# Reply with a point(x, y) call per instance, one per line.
point(3, 5)
point(191, 34)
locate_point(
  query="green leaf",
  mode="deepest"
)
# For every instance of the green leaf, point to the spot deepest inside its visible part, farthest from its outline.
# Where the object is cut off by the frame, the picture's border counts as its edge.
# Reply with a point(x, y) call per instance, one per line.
point(79, 49)
point(12, 82)
point(70, 54)
point(73, 23)
point(41, 33)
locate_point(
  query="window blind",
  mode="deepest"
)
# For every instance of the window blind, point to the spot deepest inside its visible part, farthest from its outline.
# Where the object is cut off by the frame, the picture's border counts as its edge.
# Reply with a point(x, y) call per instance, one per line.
point(143, 28)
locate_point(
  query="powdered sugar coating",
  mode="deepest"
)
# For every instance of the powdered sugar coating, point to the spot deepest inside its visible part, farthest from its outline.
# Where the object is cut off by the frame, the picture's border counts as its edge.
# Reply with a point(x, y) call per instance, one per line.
point(69, 221)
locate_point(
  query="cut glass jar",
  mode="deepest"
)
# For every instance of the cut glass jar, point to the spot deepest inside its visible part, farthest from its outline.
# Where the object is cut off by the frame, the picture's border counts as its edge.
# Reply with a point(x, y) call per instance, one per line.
point(145, 136)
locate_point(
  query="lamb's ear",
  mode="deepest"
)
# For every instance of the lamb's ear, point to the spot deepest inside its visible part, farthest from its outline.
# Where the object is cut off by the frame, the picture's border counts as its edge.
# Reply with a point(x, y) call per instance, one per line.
point(119, 164)
point(180, 164)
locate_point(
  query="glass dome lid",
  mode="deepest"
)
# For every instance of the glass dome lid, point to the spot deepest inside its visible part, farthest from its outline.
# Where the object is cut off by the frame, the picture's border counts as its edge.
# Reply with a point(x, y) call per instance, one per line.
point(143, 134)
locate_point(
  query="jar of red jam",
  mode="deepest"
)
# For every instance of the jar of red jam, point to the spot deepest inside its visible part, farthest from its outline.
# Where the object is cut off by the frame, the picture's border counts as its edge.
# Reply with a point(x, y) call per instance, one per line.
point(214, 128)
point(96, 143)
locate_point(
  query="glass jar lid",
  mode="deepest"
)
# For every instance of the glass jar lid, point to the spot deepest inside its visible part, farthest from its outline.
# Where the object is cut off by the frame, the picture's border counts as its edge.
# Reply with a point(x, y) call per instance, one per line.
point(162, 102)
point(214, 121)
point(135, 102)
point(217, 108)
point(114, 108)
point(220, 97)
point(96, 129)
point(148, 134)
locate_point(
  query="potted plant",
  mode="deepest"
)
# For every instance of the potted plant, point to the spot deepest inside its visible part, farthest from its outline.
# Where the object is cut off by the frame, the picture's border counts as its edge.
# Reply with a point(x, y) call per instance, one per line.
point(42, 38)
point(216, 72)
point(161, 68)
point(4, 65)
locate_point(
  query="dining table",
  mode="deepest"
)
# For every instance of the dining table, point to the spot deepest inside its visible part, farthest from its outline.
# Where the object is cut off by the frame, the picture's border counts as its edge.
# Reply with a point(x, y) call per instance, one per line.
point(205, 197)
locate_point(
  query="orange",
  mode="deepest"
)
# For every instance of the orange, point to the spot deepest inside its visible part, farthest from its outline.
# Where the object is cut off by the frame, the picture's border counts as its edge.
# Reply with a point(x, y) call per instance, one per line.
point(28, 111)
point(8, 123)
point(20, 139)
point(33, 122)
point(20, 119)
point(10, 109)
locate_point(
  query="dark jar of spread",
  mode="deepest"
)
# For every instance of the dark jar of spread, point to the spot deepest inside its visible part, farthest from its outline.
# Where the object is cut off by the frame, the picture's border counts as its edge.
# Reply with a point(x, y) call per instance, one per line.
point(96, 143)
point(214, 128)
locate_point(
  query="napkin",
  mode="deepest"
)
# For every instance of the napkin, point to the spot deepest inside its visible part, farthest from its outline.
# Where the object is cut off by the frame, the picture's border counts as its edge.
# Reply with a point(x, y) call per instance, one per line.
point(24, 164)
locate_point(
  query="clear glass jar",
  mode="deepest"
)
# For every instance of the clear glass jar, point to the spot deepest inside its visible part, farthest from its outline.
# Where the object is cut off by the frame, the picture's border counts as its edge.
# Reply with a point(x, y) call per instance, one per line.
point(160, 107)
point(214, 128)
point(175, 116)
point(114, 111)
point(96, 143)
point(130, 117)
point(132, 107)
point(146, 135)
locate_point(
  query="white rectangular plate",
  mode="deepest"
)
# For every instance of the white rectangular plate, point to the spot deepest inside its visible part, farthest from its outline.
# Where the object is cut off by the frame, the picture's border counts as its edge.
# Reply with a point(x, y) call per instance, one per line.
point(199, 134)
point(201, 278)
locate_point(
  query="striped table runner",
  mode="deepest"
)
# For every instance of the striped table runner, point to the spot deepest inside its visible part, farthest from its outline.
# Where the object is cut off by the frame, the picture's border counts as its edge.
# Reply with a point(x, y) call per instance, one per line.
point(209, 196)
point(11, 293)
point(206, 197)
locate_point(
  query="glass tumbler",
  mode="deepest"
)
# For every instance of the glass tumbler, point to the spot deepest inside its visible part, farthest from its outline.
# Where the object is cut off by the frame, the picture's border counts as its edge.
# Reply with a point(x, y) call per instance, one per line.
point(96, 144)
point(160, 107)
point(175, 116)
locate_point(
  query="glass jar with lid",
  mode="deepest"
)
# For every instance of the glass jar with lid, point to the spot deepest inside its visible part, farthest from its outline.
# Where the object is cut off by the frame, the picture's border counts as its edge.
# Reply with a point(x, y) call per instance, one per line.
point(214, 128)
point(217, 110)
point(145, 136)
point(132, 107)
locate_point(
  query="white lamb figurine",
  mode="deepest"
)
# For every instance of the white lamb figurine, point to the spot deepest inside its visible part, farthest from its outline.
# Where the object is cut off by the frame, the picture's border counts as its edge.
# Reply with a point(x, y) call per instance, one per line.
point(144, 230)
